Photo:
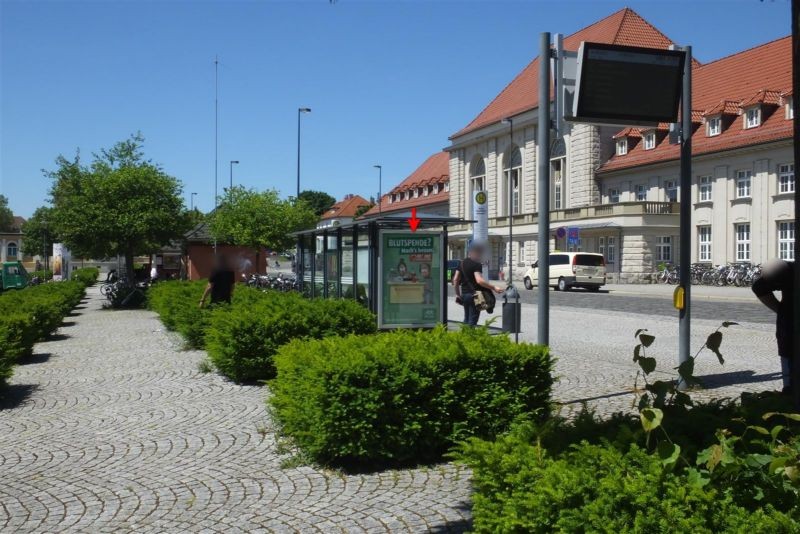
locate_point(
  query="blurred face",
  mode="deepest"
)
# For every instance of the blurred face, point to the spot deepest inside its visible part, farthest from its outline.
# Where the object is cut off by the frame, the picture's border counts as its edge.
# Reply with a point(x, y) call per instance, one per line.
point(476, 253)
point(425, 271)
point(402, 268)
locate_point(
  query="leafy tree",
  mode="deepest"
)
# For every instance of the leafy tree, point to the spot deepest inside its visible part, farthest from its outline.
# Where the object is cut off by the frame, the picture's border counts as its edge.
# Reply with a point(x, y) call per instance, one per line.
point(120, 204)
point(38, 230)
point(361, 210)
point(259, 220)
point(319, 201)
point(6, 215)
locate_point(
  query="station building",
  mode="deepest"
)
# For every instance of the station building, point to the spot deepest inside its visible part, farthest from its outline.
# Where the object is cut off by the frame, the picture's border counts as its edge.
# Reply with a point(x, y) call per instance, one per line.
point(619, 187)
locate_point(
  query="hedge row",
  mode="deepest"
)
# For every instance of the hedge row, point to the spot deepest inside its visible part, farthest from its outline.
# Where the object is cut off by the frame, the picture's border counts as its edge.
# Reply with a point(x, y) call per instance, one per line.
point(406, 396)
point(87, 276)
point(587, 475)
point(242, 337)
point(30, 315)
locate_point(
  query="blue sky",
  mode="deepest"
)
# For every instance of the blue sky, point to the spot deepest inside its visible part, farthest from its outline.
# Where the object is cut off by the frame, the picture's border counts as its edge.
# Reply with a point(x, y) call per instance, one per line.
point(387, 81)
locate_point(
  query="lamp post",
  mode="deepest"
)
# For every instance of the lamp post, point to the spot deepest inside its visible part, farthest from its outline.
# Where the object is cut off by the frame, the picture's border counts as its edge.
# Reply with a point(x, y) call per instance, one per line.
point(191, 201)
point(510, 189)
point(300, 111)
point(380, 185)
point(232, 163)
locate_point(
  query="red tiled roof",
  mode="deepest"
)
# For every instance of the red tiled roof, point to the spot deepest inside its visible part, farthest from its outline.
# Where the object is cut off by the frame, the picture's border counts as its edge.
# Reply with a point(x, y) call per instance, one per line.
point(733, 79)
point(346, 207)
point(625, 27)
point(435, 169)
point(764, 96)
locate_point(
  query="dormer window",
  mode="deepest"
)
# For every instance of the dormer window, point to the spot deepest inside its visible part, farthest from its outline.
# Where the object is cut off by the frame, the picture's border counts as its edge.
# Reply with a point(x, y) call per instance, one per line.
point(426, 191)
point(753, 117)
point(622, 146)
point(435, 188)
point(447, 187)
point(790, 108)
point(714, 126)
point(650, 141)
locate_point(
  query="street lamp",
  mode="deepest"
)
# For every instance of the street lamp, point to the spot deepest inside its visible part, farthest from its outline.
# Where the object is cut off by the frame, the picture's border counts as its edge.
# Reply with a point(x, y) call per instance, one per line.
point(510, 189)
point(191, 201)
point(232, 162)
point(380, 180)
point(300, 111)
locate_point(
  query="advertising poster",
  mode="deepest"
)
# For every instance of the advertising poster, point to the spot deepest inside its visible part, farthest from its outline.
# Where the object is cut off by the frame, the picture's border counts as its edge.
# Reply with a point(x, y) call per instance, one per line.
point(480, 214)
point(411, 279)
point(58, 262)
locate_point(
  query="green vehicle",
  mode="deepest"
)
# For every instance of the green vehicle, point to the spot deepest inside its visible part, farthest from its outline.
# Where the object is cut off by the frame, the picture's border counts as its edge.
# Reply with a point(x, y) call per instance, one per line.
point(13, 275)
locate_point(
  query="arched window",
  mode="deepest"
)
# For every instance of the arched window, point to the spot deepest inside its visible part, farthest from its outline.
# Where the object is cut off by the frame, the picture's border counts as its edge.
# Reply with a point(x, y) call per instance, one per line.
point(477, 174)
point(513, 174)
point(11, 250)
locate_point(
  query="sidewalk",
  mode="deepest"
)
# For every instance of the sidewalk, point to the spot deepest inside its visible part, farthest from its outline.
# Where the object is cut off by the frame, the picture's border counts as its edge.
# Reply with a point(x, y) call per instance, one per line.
point(112, 428)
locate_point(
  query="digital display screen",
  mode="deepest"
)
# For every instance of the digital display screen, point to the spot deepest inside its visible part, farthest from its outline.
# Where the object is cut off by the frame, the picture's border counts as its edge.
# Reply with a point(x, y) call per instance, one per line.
point(628, 85)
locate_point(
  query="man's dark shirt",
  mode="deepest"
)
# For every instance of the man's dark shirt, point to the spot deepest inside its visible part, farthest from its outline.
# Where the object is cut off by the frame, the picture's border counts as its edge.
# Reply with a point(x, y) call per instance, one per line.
point(468, 269)
point(781, 280)
point(221, 285)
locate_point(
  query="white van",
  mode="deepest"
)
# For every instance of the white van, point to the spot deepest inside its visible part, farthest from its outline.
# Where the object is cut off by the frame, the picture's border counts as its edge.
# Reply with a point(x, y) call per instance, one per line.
point(571, 269)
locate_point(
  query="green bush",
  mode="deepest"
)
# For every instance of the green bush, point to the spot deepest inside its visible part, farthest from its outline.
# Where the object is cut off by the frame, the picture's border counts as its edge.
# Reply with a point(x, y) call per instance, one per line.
point(86, 276)
point(406, 396)
point(30, 315)
point(519, 487)
point(44, 275)
point(177, 304)
point(243, 338)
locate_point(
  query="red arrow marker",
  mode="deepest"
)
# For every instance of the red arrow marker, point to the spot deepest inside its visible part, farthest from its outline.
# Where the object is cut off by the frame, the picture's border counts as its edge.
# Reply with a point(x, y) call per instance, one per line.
point(413, 222)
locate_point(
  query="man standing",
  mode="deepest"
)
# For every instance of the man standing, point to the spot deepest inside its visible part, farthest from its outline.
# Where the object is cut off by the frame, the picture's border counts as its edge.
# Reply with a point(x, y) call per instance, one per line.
point(468, 280)
point(778, 275)
point(220, 283)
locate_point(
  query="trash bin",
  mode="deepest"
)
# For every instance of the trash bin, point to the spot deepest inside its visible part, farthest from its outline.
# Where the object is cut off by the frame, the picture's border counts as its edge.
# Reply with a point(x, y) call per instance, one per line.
point(512, 311)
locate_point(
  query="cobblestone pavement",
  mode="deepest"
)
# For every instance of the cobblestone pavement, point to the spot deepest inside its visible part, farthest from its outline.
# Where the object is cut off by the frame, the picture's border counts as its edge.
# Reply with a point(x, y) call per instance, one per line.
point(111, 428)
point(594, 351)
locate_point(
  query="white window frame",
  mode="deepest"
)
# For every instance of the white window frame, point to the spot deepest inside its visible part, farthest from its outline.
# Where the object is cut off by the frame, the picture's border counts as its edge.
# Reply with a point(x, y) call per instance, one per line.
point(704, 188)
point(622, 146)
point(704, 243)
point(744, 183)
point(650, 141)
point(713, 126)
point(601, 246)
point(520, 254)
point(9, 247)
point(786, 182)
point(664, 248)
point(752, 117)
point(611, 250)
point(790, 108)
point(671, 185)
point(613, 195)
point(435, 189)
point(742, 241)
point(786, 240)
point(447, 187)
point(641, 192)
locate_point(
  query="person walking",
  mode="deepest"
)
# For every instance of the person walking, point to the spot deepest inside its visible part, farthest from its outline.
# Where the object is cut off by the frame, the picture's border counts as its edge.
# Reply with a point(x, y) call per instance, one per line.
point(778, 275)
point(220, 283)
point(468, 280)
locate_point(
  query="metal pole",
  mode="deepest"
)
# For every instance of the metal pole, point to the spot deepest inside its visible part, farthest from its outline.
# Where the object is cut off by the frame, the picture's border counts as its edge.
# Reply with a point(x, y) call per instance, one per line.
point(216, 129)
point(380, 186)
point(686, 210)
point(543, 161)
point(795, 378)
point(510, 281)
point(298, 153)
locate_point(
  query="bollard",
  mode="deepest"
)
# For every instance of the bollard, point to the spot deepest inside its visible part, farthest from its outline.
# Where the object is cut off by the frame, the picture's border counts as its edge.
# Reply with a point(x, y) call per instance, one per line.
point(512, 312)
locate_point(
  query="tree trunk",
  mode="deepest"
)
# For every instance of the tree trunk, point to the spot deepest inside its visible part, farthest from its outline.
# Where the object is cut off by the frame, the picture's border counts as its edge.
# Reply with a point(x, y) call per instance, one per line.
point(129, 274)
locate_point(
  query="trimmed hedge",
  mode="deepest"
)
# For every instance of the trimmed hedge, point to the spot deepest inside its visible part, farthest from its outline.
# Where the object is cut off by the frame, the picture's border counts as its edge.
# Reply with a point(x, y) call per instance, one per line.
point(242, 339)
point(30, 315)
point(87, 276)
point(177, 304)
point(406, 396)
point(519, 487)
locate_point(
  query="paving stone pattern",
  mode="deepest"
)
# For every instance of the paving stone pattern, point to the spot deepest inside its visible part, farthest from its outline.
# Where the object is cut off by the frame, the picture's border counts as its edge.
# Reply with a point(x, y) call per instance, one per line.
point(110, 427)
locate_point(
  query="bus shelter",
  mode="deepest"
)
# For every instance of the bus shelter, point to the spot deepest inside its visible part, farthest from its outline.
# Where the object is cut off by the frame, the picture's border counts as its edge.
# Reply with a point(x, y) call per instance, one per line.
point(344, 261)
